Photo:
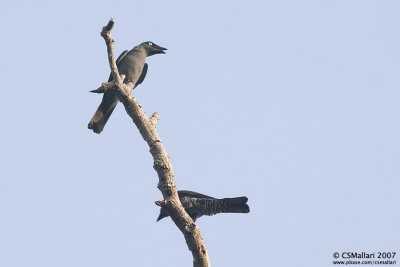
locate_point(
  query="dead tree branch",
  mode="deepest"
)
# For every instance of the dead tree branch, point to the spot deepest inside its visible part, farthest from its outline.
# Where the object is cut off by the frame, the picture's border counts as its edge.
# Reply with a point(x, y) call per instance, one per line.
point(162, 164)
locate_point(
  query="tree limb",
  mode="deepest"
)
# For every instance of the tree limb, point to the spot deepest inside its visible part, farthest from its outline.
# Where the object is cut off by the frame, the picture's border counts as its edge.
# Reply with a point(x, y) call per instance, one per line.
point(154, 119)
point(106, 86)
point(162, 164)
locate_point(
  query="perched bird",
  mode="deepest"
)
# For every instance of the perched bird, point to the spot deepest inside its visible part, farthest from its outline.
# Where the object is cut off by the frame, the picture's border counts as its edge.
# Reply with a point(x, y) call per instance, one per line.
point(132, 64)
point(197, 205)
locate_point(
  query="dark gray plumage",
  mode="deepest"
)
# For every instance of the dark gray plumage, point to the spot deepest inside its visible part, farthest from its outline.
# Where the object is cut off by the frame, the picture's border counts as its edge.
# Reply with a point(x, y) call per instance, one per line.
point(197, 205)
point(132, 64)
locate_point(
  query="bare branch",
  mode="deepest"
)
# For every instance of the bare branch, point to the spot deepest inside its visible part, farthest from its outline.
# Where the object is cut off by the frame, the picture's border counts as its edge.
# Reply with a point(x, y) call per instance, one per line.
point(103, 88)
point(106, 86)
point(162, 163)
point(154, 119)
point(107, 29)
point(161, 203)
point(106, 34)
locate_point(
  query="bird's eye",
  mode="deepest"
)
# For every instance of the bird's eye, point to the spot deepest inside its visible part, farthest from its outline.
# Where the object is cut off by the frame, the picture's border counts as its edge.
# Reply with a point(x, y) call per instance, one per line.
point(150, 43)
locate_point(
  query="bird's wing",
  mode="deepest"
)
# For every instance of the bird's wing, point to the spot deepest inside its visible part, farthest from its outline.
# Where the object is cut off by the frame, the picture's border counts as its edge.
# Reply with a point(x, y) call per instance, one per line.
point(119, 59)
point(186, 193)
point(143, 75)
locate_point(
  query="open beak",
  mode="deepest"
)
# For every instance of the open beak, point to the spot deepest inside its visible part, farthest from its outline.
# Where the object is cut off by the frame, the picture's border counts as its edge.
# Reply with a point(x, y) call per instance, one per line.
point(158, 49)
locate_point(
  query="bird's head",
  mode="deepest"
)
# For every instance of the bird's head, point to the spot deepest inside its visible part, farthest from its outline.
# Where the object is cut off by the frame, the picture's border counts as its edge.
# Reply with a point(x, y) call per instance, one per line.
point(152, 49)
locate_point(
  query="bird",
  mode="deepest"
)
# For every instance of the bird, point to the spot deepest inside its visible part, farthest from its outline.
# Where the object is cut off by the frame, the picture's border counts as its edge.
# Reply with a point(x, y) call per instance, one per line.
point(132, 65)
point(197, 205)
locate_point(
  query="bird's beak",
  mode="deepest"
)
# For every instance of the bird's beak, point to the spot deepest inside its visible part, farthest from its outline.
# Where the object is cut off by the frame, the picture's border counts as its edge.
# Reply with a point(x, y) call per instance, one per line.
point(158, 49)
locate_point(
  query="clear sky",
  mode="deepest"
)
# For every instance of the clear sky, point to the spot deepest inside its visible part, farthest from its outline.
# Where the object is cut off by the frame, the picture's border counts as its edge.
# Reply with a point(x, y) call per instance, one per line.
point(294, 104)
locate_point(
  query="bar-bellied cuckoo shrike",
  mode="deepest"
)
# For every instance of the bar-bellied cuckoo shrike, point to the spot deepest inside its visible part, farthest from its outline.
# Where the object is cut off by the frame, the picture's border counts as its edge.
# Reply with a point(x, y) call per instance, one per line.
point(132, 64)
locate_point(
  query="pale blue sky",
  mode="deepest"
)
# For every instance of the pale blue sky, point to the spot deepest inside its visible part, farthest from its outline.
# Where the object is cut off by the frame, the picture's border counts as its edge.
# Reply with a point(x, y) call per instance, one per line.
point(294, 104)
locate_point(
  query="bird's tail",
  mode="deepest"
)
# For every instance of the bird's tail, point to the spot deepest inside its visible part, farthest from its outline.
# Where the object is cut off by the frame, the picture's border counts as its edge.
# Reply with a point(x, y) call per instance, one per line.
point(234, 205)
point(103, 113)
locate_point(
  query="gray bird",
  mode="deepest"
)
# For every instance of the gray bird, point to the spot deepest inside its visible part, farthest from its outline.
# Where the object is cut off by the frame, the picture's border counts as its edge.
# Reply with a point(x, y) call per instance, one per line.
point(132, 64)
point(197, 205)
